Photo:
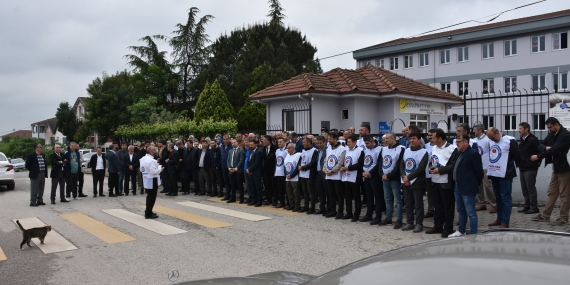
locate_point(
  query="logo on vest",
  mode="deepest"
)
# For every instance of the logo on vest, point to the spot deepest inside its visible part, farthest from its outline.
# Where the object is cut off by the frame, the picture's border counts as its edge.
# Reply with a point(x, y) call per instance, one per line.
point(143, 169)
point(435, 161)
point(331, 162)
point(348, 161)
point(289, 168)
point(387, 162)
point(480, 149)
point(495, 154)
point(279, 161)
point(410, 165)
point(368, 160)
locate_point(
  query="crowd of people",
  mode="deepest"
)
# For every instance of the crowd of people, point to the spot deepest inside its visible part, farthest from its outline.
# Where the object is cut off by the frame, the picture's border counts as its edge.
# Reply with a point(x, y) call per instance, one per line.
point(336, 174)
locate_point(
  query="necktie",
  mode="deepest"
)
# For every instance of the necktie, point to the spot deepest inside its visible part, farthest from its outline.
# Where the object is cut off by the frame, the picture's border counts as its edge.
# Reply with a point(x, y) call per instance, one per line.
point(232, 158)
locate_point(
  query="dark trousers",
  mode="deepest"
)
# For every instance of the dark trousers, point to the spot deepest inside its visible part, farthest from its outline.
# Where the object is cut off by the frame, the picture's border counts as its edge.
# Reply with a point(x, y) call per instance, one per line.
point(309, 192)
point(195, 176)
point(227, 182)
point(528, 185)
point(71, 181)
point(60, 179)
point(414, 200)
point(113, 183)
point(98, 178)
point(215, 179)
point(173, 177)
point(204, 180)
point(236, 179)
point(185, 178)
point(165, 179)
point(321, 187)
point(151, 197)
point(280, 190)
point(80, 179)
point(375, 197)
point(269, 183)
point(257, 190)
point(121, 179)
point(352, 192)
point(336, 194)
point(132, 176)
point(444, 208)
point(429, 194)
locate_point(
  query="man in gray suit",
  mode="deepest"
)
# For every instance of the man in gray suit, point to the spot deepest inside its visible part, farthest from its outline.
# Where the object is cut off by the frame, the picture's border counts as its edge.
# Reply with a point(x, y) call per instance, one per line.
point(236, 157)
point(113, 164)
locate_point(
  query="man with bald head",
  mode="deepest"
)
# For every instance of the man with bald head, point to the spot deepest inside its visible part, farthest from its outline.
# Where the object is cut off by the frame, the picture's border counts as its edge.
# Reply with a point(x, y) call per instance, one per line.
point(404, 141)
point(57, 174)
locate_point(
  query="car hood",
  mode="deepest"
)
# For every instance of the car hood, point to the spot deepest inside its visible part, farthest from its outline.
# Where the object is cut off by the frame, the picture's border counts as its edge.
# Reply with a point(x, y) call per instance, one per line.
point(270, 278)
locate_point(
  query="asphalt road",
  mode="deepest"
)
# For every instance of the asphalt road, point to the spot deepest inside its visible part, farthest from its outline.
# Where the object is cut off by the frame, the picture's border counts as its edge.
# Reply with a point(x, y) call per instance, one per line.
point(302, 243)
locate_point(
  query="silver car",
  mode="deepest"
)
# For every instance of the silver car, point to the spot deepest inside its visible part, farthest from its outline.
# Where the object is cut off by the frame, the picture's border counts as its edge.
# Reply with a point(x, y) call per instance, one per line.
point(19, 164)
point(506, 256)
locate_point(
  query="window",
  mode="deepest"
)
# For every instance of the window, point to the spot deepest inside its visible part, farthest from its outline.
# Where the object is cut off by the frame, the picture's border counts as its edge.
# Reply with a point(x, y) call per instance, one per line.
point(463, 88)
point(380, 63)
point(463, 54)
point(538, 122)
point(488, 86)
point(488, 121)
point(488, 50)
point(510, 47)
point(510, 84)
point(563, 77)
point(344, 114)
point(421, 121)
point(559, 41)
point(52, 140)
point(446, 87)
point(393, 63)
point(538, 44)
point(424, 59)
point(289, 120)
point(538, 82)
point(444, 56)
point(463, 119)
point(511, 123)
point(408, 61)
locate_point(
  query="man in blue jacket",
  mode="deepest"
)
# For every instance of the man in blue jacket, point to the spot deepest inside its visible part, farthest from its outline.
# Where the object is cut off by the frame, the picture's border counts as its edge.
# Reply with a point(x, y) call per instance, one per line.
point(254, 170)
point(72, 169)
point(113, 164)
point(467, 175)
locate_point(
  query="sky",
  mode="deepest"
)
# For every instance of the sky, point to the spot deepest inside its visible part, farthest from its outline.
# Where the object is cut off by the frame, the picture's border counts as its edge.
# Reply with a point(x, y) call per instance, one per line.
point(51, 50)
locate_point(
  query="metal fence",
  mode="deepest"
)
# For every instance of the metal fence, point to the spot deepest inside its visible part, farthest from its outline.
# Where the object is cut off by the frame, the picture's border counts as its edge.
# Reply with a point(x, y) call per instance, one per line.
point(297, 118)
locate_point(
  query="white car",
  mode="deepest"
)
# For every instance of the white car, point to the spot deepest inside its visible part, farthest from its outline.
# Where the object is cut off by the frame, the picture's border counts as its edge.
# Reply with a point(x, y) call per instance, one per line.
point(86, 150)
point(6, 172)
point(86, 158)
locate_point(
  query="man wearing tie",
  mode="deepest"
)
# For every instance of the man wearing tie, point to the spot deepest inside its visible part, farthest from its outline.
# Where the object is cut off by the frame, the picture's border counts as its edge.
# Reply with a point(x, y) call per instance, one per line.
point(235, 161)
point(131, 163)
point(98, 165)
point(57, 174)
point(113, 172)
point(254, 170)
point(269, 169)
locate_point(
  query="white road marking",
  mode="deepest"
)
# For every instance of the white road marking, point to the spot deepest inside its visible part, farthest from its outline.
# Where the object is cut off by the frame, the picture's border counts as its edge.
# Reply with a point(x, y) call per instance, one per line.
point(224, 211)
point(149, 224)
point(53, 242)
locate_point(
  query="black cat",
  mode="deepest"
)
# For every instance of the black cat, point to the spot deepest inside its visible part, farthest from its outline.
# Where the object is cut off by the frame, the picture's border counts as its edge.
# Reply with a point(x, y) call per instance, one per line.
point(29, 234)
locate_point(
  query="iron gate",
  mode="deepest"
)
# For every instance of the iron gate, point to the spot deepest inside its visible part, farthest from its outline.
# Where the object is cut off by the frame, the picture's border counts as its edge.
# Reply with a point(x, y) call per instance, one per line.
point(297, 118)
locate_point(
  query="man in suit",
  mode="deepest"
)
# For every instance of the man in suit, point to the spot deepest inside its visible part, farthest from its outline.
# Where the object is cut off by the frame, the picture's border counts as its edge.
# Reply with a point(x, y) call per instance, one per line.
point(269, 169)
point(57, 174)
point(235, 161)
point(225, 149)
point(164, 154)
point(98, 164)
point(121, 153)
point(187, 167)
point(467, 175)
point(297, 141)
point(72, 170)
point(321, 183)
point(254, 170)
point(113, 169)
point(130, 163)
point(203, 157)
point(36, 164)
point(216, 177)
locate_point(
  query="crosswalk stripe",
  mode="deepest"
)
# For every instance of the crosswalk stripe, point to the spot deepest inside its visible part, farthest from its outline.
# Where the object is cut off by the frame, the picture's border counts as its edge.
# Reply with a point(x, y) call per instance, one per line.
point(264, 208)
point(224, 211)
point(151, 225)
point(2, 255)
point(195, 219)
point(53, 242)
point(96, 228)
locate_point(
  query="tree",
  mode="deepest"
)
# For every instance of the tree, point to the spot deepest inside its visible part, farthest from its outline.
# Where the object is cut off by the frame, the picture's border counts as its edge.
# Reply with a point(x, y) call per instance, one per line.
point(147, 111)
point(213, 104)
point(19, 146)
point(276, 13)
point(67, 122)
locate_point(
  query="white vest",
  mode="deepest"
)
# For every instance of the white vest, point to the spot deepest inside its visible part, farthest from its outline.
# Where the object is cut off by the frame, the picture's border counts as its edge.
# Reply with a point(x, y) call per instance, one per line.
point(280, 155)
point(499, 157)
point(361, 144)
point(483, 148)
point(412, 160)
point(149, 169)
point(440, 157)
point(290, 165)
point(333, 156)
point(390, 157)
point(370, 158)
point(351, 157)
point(306, 156)
point(429, 148)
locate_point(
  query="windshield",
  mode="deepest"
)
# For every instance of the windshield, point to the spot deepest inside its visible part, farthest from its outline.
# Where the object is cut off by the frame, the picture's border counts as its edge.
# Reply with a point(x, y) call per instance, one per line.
point(17, 160)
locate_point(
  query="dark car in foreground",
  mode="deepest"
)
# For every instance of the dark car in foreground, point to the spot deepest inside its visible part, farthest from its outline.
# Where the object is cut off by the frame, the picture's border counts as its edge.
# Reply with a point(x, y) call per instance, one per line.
point(506, 256)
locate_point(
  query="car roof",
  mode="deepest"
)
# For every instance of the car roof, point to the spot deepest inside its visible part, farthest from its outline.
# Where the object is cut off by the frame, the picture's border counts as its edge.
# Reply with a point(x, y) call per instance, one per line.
point(505, 256)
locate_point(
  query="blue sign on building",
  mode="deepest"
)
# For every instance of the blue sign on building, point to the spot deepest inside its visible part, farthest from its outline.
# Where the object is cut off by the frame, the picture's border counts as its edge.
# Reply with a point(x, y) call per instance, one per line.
point(383, 127)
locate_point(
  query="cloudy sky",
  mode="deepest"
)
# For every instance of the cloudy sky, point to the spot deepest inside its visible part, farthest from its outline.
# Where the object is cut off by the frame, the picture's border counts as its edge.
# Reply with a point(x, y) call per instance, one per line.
point(51, 50)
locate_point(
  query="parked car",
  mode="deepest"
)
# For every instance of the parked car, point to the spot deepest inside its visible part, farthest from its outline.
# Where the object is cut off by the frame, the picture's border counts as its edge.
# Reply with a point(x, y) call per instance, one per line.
point(86, 159)
point(18, 163)
point(6, 172)
point(505, 256)
point(86, 150)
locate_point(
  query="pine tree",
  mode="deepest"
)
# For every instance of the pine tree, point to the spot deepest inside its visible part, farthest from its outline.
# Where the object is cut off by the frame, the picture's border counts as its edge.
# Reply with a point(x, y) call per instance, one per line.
point(213, 104)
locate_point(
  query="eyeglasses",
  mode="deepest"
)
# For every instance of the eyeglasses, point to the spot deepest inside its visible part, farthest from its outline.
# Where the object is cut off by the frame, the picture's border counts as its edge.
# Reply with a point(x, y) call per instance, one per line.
point(458, 141)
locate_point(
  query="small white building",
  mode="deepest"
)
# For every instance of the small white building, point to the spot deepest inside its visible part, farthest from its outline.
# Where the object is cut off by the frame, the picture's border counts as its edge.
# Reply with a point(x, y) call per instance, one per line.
point(47, 130)
point(343, 98)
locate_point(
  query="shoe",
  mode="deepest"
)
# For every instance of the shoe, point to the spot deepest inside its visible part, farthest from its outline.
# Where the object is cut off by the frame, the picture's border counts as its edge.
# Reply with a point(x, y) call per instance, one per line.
point(331, 215)
point(296, 210)
point(481, 208)
point(365, 219)
point(398, 225)
point(241, 201)
point(134, 193)
point(304, 209)
point(444, 234)
point(185, 193)
point(82, 195)
point(355, 219)
point(201, 194)
point(67, 198)
point(495, 223)
point(558, 222)
point(418, 229)
point(225, 198)
point(119, 194)
point(33, 205)
point(375, 222)
point(535, 211)
point(279, 206)
point(266, 203)
point(41, 203)
point(429, 215)
point(101, 195)
point(173, 194)
point(259, 204)
point(385, 222)
point(231, 201)
point(408, 227)
point(503, 226)
point(456, 234)
point(53, 202)
point(540, 218)
point(310, 212)
point(251, 203)
point(164, 191)
point(525, 209)
point(153, 216)
point(126, 193)
point(111, 195)
point(338, 217)
point(64, 201)
point(493, 211)
point(95, 196)
point(434, 231)
point(347, 217)
point(221, 195)
point(76, 198)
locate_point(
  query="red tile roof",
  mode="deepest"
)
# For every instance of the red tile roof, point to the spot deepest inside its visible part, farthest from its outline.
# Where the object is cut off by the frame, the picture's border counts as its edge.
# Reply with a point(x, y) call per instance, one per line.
point(366, 80)
point(471, 29)
point(19, 133)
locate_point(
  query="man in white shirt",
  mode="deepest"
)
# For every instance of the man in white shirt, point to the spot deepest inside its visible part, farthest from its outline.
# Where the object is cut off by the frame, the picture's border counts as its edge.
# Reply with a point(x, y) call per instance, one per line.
point(150, 170)
point(98, 165)
point(486, 187)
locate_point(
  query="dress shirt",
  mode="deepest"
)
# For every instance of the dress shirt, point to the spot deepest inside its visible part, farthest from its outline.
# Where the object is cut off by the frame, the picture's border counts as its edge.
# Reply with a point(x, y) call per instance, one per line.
point(99, 165)
point(202, 155)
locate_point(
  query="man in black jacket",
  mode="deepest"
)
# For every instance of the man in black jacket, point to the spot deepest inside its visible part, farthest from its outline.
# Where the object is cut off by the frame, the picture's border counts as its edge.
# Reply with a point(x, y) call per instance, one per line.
point(173, 168)
point(528, 168)
point(216, 177)
point(187, 167)
point(164, 154)
point(57, 174)
point(269, 159)
point(130, 164)
point(98, 164)
point(36, 164)
point(555, 151)
point(254, 170)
